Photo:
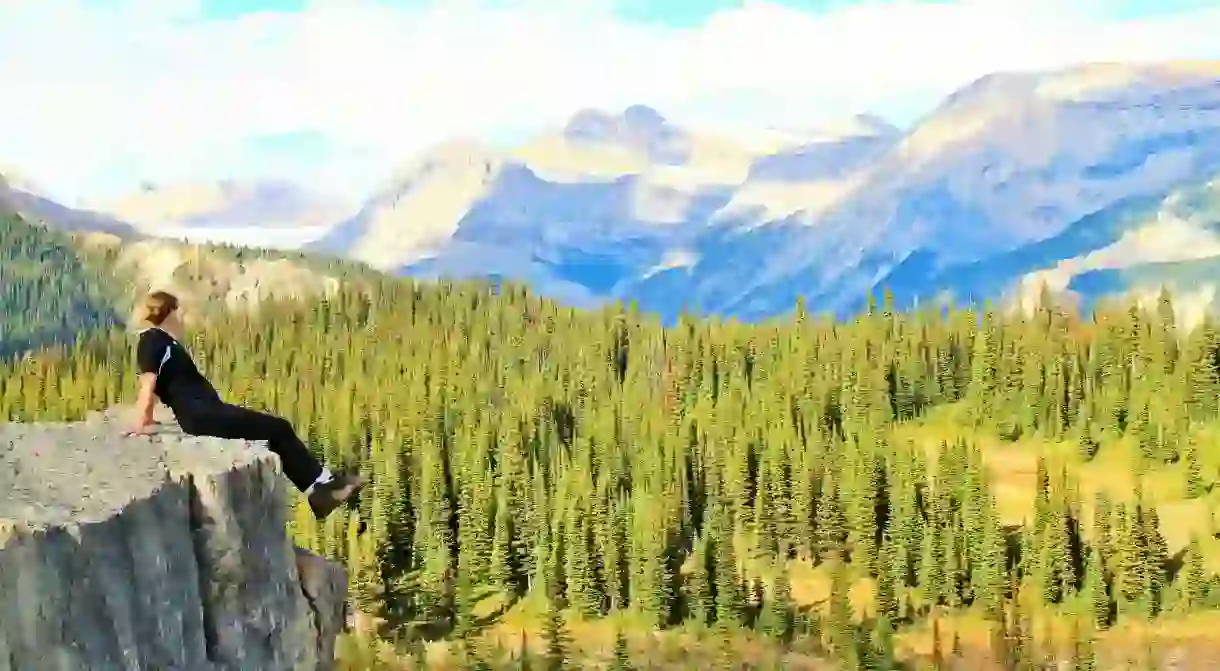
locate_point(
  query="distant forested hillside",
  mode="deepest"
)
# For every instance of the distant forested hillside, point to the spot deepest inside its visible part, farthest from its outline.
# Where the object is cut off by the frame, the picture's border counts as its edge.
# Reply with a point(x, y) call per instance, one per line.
point(49, 292)
point(56, 286)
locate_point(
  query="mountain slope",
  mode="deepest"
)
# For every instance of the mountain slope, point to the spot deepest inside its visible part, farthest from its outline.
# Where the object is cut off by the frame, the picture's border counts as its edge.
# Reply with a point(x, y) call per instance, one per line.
point(433, 194)
point(839, 149)
point(261, 213)
point(24, 198)
point(49, 292)
point(56, 285)
point(1174, 245)
point(629, 206)
point(7, 205)
point(1006, 162)
point(575, 213)
point(1137, 245)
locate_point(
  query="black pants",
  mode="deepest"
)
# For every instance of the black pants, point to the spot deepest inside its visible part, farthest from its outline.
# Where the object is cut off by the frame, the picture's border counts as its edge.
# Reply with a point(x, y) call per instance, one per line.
point(222, 420)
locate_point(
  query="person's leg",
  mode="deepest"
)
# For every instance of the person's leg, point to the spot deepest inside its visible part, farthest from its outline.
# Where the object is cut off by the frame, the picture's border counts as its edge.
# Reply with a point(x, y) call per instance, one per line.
point(231, 421)
point(300, 466)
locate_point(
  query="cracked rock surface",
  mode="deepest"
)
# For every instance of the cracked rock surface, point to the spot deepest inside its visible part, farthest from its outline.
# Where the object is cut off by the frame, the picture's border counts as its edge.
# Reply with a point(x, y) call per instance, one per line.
point(166, 552)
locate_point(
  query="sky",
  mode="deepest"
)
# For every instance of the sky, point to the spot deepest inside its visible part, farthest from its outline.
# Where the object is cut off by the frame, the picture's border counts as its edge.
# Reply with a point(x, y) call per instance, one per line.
point(103, 95)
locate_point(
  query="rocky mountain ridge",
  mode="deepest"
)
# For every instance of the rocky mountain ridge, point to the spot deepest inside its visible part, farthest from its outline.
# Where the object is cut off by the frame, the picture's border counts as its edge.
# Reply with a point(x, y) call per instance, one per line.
point(225, 203)
point(33, 207)
point(673, 220)
point(630, 206)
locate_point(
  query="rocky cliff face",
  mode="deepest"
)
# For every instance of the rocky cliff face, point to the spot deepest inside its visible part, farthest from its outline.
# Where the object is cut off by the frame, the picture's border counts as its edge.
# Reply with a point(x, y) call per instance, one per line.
point(162, 552)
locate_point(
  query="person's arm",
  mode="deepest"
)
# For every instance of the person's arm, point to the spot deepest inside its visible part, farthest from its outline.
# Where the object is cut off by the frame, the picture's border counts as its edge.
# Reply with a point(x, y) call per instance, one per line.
point(145, 400)
point(150, 353)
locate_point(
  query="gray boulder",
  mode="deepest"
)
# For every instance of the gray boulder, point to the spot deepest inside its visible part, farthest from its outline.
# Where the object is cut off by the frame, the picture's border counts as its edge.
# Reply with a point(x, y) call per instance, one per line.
point(160, 552)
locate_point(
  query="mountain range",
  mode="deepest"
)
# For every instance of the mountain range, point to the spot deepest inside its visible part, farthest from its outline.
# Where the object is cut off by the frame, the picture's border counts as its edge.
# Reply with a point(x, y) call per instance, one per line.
point(1089, 181)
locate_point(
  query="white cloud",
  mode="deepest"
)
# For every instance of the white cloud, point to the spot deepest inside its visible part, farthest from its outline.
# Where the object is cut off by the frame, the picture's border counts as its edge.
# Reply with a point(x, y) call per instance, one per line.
point(98, 99)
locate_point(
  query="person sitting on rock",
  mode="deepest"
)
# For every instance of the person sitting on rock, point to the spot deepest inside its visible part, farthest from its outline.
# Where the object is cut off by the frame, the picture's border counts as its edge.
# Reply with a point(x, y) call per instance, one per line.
point(168, 373)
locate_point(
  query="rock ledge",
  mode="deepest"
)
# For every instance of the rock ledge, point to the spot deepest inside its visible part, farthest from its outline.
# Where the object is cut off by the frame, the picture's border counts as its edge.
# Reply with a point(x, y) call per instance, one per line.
point(158, 553)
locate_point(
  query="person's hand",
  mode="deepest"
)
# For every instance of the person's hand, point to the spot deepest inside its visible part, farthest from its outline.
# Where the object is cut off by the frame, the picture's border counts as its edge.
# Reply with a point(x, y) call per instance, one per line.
point(140, 428)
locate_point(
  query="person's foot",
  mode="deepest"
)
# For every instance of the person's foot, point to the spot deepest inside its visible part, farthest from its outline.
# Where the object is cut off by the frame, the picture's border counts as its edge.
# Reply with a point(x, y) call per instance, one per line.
point(326, 496)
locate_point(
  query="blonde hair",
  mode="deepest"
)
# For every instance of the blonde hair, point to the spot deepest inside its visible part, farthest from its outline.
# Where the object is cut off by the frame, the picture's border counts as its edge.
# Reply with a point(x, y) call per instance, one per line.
point(156, 306)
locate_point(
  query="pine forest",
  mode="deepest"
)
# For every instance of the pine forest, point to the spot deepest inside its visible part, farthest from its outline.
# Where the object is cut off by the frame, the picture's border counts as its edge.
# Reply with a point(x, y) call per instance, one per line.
point(555, 488)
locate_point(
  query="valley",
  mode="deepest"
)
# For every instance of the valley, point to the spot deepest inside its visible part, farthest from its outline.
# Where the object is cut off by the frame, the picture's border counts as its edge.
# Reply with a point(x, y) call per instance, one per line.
point(631, 395)
point(978, 488)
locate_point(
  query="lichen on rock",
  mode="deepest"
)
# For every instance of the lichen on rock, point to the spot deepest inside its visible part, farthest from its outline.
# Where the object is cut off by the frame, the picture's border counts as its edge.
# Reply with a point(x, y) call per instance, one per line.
point(159, 552)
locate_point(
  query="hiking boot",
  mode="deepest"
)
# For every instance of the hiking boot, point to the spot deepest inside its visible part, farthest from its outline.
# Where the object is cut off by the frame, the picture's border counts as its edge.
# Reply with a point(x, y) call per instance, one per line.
point(326, 496)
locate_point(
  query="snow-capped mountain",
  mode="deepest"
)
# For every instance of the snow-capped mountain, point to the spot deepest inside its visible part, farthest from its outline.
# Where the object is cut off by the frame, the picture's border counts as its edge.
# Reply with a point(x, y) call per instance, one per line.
point(1015, 181)
point(631, 206)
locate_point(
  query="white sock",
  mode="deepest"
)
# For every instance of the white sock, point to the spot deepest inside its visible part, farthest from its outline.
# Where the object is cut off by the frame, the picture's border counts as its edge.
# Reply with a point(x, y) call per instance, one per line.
point(324, 477)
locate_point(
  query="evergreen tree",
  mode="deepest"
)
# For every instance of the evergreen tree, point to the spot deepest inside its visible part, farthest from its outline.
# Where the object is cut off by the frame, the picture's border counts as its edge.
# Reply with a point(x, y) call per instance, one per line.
point(621, 660)
point(1098, 592)
point(1084, 655)
point(883, 639)
point(1102, 531)
point(775, 619)
point(840, 626)
point(1195, 486)
point(701, 606)
point(555, 639)
point(1193, 576)
point(887, 598)
point(1156, 557)
point(830, 523)
point(730, 604)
